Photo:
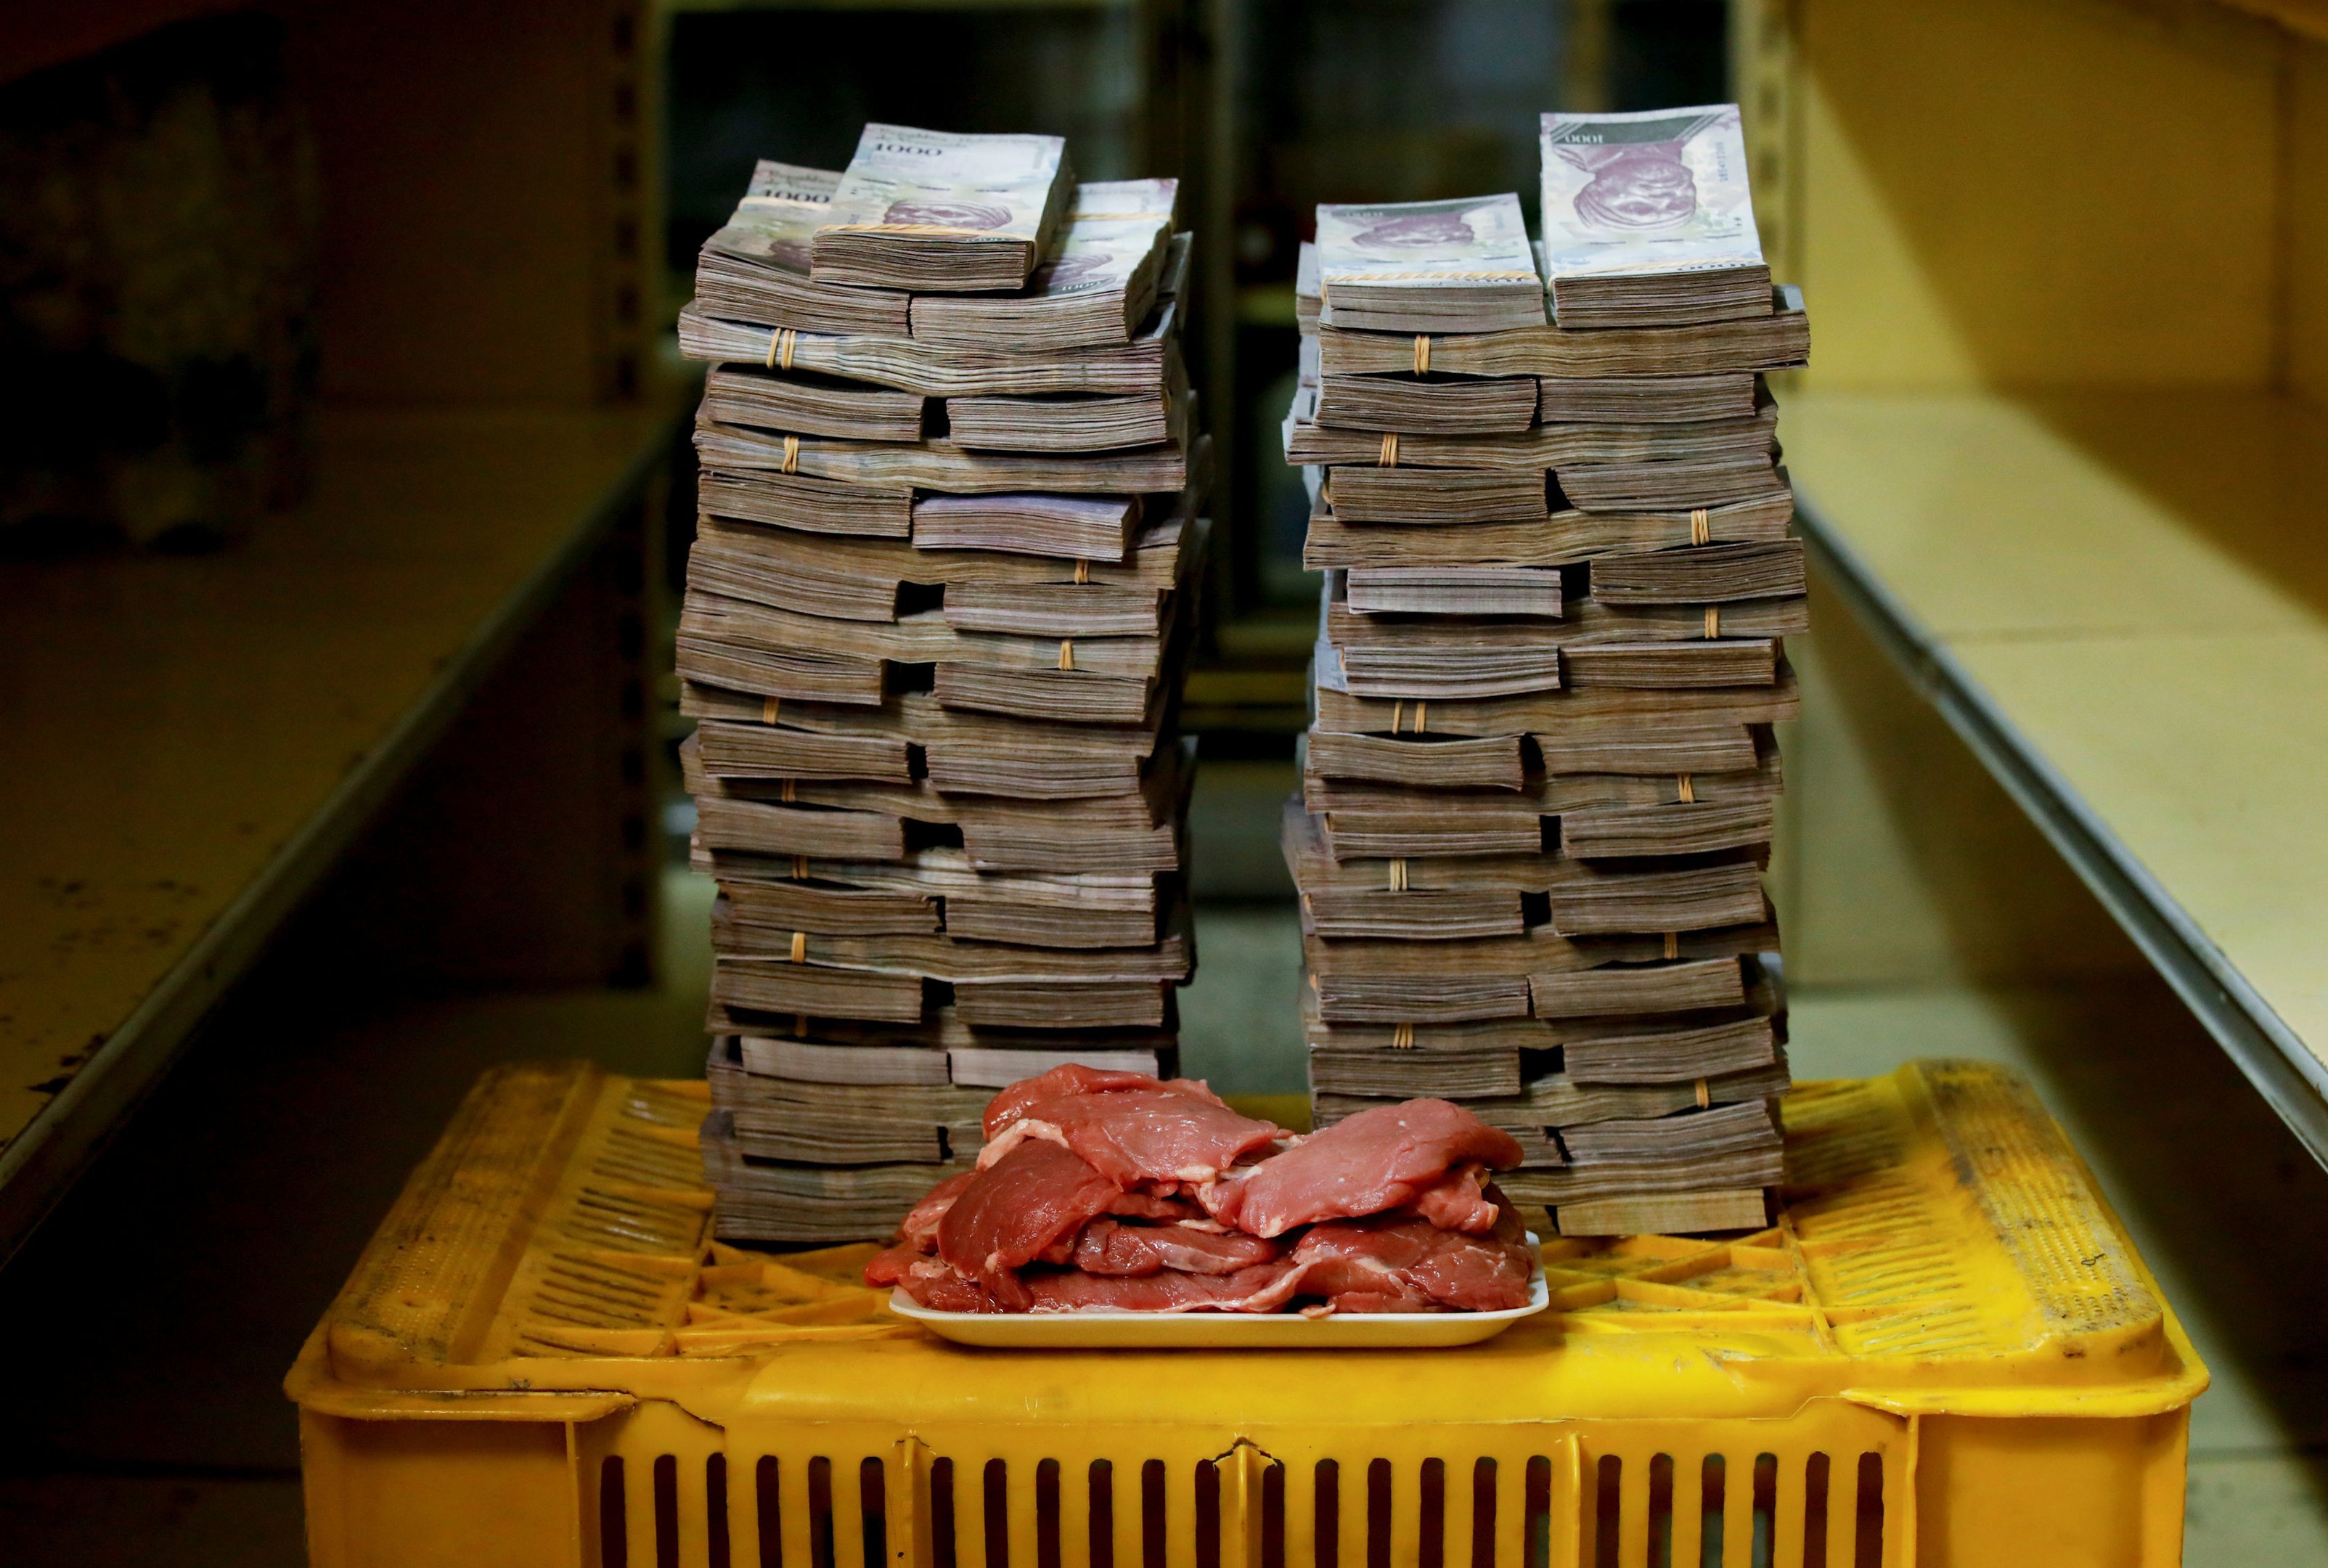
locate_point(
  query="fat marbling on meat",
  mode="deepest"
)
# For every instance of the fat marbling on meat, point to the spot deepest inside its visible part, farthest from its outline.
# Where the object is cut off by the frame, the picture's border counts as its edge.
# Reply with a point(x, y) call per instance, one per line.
point(1398, 1263)
point(920, 1226)
point(1130, 1128)
point(1075, 1078)
point(1108, 1247)
point(1388, 1157)
point(1259, 1288)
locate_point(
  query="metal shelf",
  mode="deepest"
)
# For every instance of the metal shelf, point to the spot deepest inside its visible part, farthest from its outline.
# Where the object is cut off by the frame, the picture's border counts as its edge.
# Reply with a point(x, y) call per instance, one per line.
point(193, 743)
point(2135, 663)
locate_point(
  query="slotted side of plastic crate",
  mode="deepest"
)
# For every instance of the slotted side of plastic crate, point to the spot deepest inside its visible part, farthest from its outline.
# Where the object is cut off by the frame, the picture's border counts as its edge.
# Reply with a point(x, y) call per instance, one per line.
point(1837, 1486)
point(1945, 1356)
point(1833, 1485)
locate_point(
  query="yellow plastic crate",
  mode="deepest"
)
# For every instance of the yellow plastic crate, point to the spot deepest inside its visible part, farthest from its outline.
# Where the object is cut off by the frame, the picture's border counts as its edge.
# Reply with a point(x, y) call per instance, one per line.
point(1946, 1354)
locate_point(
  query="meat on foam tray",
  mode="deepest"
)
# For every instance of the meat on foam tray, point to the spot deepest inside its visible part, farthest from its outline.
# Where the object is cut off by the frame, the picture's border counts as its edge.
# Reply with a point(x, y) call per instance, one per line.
point(1115, 1190)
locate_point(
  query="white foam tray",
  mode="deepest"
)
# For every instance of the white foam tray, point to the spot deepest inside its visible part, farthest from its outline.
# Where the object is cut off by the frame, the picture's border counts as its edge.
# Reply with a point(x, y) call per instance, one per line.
point(1100, 1330)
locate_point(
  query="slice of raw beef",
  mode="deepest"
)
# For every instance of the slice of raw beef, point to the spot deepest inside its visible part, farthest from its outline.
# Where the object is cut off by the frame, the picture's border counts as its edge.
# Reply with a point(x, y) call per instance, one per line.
point(1133, 1129)
point(891, 1267)
point(1381, 1159)
point(917, 1234)
point(1164, 1210)
point(1110, 1247)
point(1257, 1288)
point(1262, 1288)
point(932, 1283)
point(920, 1226)
point(1074, 1078)
point(1404, 1263)
point(1015, 1210)
point(1459, 1201)
point(1393, 1299)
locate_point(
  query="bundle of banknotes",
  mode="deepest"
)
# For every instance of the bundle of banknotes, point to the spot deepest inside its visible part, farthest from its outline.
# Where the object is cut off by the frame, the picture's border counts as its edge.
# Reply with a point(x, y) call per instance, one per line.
point(938, 614)
point(1538, 790)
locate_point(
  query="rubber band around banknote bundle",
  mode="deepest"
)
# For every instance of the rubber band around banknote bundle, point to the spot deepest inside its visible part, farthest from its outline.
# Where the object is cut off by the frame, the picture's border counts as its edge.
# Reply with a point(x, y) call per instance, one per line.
point(800, 867)
point(1701, 526)
point(790, 465)
point(1672, 944)
point(800, 947)
point(1389, 458)
point(1401, 1036)
point(1714, 620)
point(1067, 653)
point(1398, 875)
point(780, 347)
point(1688, 788)
point(1705, 1095)
point(1082, 572)
point(1398, 716)
point(769, 707)
point(1421, 354)
point(792, 791)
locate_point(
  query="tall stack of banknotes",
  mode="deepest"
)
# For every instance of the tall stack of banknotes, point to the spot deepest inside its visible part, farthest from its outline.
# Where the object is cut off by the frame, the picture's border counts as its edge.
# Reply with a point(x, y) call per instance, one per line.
point(938, 614)
point(1538, 788)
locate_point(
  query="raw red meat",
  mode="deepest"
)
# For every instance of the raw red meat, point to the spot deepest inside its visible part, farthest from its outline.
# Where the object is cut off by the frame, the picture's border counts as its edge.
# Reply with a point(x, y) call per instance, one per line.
point(931, 1284)
point(1458, 1201)
point(920, 1226)
point(1404, 1263)
point(1015, 1209)
point(1072, 1078)
point(1082, 1202)
point(890, 1267)
point(1107, 1247)
point(1262, 1288)
point(1356, 1301)
point(1382, 1159)
point(1134, 1131)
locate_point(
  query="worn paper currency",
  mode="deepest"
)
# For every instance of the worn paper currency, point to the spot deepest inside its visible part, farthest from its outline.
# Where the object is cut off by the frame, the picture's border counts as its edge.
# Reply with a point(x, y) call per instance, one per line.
point(1665, 190)
point(779, 213)
point(775, 185)
point(1424, 244)
point(997, 186)
point(1102, 200)
point(1114, 226)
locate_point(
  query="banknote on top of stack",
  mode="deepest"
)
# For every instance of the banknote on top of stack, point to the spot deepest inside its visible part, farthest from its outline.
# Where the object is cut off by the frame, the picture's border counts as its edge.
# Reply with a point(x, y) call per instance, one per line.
point(1538, 788)
point(938, 614)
